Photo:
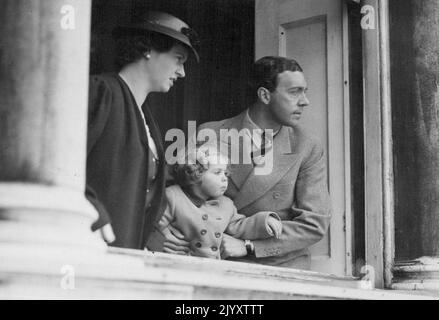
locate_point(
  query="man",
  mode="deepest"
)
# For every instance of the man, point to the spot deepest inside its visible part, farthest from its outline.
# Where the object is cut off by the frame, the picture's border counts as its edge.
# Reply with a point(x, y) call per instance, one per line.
point(296, 186)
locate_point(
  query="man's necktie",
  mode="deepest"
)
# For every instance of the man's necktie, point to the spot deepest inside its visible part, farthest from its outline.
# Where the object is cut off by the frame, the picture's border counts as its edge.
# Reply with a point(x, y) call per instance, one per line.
point(259, 152)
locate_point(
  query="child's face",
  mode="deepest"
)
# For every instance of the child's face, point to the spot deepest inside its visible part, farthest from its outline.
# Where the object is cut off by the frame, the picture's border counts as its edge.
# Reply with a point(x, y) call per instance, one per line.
point(214, 181)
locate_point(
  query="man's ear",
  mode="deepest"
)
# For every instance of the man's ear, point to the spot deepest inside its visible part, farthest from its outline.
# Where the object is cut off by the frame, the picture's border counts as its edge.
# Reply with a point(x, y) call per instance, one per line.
point(264, 95)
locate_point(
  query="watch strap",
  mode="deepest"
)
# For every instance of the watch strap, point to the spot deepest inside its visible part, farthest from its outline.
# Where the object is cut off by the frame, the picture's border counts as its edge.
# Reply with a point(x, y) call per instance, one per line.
point(249, 246)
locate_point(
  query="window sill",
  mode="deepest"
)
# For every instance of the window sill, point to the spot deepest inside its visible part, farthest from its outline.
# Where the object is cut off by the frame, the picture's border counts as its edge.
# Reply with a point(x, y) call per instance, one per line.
point(30, 272)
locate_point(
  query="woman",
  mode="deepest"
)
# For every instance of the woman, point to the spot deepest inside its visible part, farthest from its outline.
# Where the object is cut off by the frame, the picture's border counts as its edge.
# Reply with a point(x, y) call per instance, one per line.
point(125, 158)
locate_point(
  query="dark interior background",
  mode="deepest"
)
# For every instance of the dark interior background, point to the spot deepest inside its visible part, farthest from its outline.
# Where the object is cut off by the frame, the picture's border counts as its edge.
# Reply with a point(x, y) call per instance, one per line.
point(407, 229)
point(215, 88)
point(357, 135)
point(414, 72)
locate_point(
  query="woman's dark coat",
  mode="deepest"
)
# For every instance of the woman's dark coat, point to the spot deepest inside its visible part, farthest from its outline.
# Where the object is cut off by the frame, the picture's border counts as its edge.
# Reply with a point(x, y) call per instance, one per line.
point(119, 166)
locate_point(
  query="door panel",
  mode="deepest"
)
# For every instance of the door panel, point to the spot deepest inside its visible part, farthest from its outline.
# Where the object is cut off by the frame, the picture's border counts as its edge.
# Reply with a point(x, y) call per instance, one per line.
point(311, 31)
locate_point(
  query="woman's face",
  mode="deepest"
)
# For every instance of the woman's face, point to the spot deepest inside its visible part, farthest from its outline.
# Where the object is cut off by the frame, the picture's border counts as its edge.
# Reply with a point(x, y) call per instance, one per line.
point(164, 68)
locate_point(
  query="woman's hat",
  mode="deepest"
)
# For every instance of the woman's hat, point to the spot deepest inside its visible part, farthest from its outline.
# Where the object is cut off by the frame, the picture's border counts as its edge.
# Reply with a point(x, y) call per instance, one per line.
point(163, 23)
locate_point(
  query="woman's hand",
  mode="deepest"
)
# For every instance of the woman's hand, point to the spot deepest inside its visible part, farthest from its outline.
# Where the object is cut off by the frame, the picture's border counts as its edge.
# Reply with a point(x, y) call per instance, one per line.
point(174, 241)
point(232, 247)
point(274, 227)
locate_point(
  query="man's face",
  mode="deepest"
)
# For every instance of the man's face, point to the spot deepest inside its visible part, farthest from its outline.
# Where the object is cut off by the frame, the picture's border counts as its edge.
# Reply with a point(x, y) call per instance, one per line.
point(289, 98)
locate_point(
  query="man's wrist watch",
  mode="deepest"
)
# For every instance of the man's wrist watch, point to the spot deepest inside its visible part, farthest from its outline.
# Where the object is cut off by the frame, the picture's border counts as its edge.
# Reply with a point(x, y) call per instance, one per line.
point(250, 247)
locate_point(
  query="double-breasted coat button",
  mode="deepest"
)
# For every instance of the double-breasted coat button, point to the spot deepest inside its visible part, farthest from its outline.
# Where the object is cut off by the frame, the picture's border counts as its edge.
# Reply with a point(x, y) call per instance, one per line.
point(217, 235)
point(276, 195)
point(205, 217)
point(203, 232)
point(214, 248)
point(198, 245)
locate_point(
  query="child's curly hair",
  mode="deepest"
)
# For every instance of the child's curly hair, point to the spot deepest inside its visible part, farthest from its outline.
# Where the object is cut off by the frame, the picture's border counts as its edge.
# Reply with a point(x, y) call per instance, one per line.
point(196, 162)
point(186, 175)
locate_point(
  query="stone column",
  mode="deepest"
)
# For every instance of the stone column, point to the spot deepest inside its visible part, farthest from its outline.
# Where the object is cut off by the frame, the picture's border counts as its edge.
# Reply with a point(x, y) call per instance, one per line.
point(44, 59)
point(415, 97)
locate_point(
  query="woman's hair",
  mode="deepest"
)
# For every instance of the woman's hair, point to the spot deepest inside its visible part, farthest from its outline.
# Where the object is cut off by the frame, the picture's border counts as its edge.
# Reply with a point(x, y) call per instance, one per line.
point(131, 46)
point(189, 171)
point(266, 70)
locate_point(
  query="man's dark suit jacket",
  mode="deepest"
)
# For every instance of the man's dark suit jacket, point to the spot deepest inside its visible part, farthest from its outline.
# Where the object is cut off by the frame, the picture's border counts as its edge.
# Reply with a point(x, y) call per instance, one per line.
point(118, 162)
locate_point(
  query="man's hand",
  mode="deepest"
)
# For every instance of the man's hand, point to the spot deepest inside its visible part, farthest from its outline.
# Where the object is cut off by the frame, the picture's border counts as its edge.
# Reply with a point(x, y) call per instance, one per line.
point(174, 241)
point(232, 247)
point(107, 233)
point(274, 227)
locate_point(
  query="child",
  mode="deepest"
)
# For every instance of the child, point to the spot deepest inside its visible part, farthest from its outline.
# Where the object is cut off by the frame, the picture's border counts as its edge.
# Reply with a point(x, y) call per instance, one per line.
point(200, 211)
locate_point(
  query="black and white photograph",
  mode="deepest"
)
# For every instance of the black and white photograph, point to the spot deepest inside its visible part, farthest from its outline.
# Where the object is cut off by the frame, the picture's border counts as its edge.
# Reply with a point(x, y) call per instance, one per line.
point(231, 151)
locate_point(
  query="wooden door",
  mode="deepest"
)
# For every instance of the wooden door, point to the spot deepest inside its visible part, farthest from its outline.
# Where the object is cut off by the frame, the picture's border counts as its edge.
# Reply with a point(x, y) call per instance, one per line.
point(311, 31)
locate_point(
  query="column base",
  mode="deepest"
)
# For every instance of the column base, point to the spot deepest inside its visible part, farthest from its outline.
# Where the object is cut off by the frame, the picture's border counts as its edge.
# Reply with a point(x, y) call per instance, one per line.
point(418, 274)
point(45, 234)
point(46, 217)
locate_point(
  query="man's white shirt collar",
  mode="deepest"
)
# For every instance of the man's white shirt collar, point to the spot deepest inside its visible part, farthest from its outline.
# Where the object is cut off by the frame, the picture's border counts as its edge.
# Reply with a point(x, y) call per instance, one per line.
point(255, 133)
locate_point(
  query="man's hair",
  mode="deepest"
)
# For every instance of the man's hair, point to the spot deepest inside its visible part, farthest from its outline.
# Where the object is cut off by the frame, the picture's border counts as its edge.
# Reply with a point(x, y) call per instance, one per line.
point(266, 70)
point(131, 46)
